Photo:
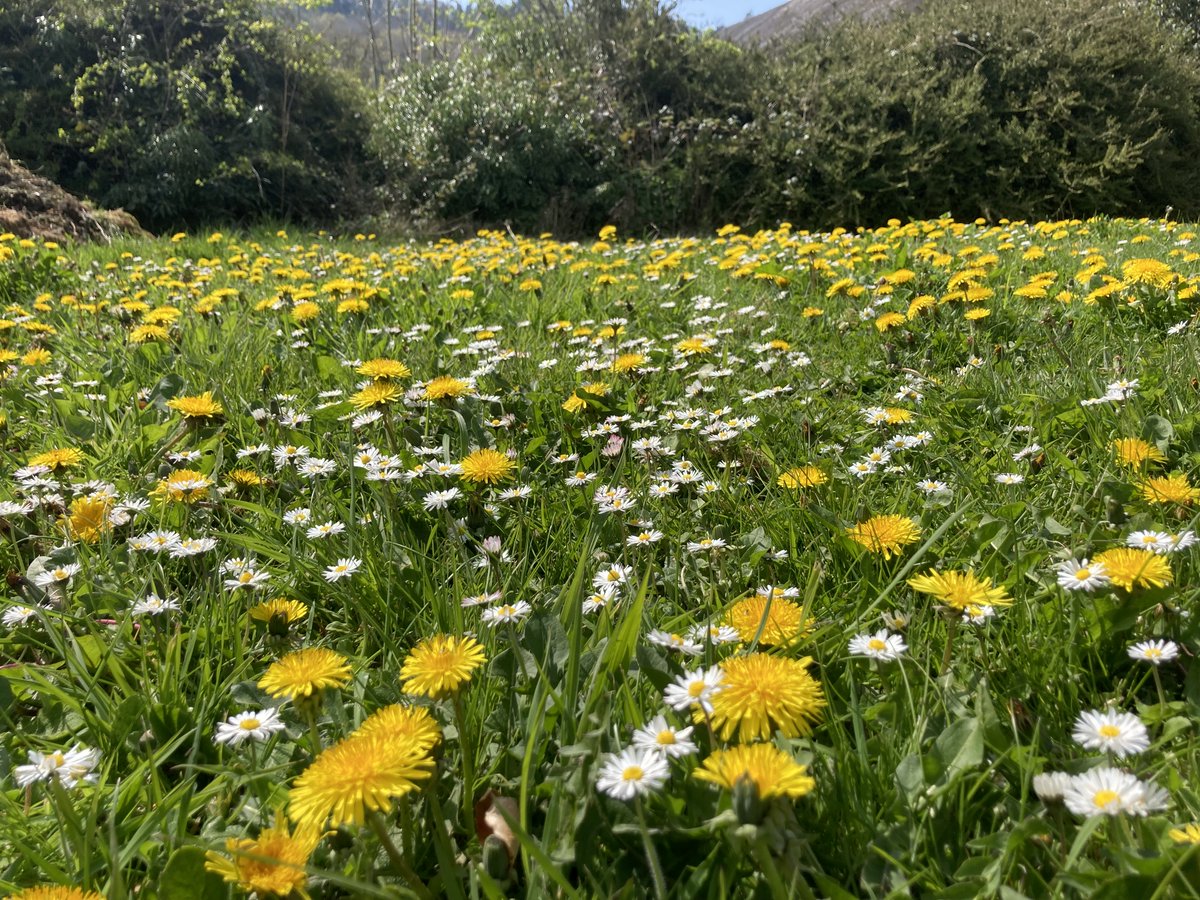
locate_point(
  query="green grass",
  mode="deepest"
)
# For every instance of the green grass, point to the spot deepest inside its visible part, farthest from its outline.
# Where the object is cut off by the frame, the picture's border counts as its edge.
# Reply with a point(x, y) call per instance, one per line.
point(923, 767)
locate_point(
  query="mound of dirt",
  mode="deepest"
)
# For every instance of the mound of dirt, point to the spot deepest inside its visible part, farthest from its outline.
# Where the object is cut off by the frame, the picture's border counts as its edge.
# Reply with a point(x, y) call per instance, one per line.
point(35, 207)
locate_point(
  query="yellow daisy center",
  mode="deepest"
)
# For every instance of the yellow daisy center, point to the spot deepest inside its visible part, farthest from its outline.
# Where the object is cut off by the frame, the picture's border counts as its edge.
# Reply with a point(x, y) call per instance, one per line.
point(876, 644)
point(1110, 731)
point(249, 724)
point(665, 737)
point(632, 773)
point(1105, 798)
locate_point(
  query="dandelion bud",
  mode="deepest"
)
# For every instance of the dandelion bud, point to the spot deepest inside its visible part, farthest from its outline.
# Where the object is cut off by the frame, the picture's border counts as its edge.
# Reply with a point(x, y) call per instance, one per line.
point(496, 861)
point(746, 803)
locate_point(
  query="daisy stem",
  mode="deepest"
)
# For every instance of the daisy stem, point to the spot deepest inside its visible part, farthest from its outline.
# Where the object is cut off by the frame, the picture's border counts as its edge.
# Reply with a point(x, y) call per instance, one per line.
point(656, 872)
point(1162, 697)
point(467, 750)
point(379, 826)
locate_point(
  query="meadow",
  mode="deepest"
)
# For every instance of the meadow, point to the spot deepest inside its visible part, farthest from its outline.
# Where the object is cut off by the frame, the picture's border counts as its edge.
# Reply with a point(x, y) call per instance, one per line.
point(775, 564)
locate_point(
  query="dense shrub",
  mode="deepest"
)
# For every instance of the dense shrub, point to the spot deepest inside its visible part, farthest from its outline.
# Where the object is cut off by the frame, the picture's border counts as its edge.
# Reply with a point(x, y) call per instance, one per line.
point(983, 108)
point(182, 111)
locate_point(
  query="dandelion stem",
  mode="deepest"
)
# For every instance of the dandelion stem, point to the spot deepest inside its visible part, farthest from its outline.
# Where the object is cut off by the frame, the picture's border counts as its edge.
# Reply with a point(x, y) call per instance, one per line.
point(467, 750)
point(951, 629)
point(379, 826)
point(656, 872)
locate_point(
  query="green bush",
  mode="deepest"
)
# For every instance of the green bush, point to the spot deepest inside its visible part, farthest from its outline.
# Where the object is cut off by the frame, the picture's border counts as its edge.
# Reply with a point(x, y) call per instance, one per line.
point(990, 108)
point(181, 111)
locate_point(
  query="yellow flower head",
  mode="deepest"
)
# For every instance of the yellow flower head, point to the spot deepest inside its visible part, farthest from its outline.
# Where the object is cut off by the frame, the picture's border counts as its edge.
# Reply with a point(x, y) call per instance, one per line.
point(761, 693)
point(382, 369)
point(61, 458)
point(304, 672)
point(1188, 834)
point(486, 466)
point(1173, 488)
point(375, 394)
point(1147, 271)
point(199, 407)
point(183, 486)
point(774, 772)
point(889, 320)
point(627, 362)
point(1128, 568)
point(399, 720)
point(444, 386)
point(438, 666)
point(802, 477)
point(244, 478)
point(272, 864)
point(885, 535)
point(781, 624)
point(362, 772)
point(282, 610)
point(1133, 452)
point(694, 346)
point(146, 333)
point(962, 591)
point(87, 518)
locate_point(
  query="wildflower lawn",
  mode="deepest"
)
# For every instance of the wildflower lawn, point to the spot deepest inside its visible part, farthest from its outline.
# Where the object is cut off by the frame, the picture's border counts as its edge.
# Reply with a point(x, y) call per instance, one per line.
point(775, 565)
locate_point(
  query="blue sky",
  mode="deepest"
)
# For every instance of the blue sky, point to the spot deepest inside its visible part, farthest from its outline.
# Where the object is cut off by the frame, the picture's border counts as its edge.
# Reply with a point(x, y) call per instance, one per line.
point(721, 12)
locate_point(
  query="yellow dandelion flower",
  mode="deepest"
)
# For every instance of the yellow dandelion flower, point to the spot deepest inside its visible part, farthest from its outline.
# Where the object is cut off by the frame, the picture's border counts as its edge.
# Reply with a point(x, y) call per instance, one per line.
point(781, 624)
point(885, 535)
point(87, 518)
point(974, 315)
point(183, 486)
point(774, 772)
point(962, 591)
point(244, 478)
point(374, 395)
point(812, 312)
point(399, 720)
point(802, 477)
point(898, 416)
point(438, 666)
point(1188, 834)
point(279, 610)
point(361, 773)
point(1147, 271)
point(889, 320)
point(486, 466)
point(57, 459)
point(761, 693)
point(202, 406)
point(1133, 452)
point(382, 369)
point(444, 386)
point(303, 312)
point(694, 346)
point(146, 333)
point(1129, 568)
point(271, 864)
point(627, 362)
point(304, 672)
point(1173, 488)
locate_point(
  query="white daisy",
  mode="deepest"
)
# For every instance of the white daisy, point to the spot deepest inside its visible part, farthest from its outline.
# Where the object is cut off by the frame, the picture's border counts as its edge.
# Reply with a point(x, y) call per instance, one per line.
point(632, 773)
point(343, 568)
point(881, 645)
point(1155, 652)
point(247, 726)
point(1119, 733)
point(694, 688)
point(1081, 575)
point(658, 736)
